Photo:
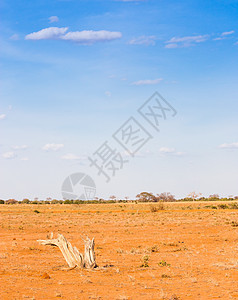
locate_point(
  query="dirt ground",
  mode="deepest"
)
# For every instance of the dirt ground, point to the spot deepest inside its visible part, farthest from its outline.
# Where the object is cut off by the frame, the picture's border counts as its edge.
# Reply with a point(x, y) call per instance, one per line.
point(192, 252)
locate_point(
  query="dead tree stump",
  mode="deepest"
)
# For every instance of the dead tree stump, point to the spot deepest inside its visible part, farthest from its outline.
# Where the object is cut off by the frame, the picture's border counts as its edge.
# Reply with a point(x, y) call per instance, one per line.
point(71, 254)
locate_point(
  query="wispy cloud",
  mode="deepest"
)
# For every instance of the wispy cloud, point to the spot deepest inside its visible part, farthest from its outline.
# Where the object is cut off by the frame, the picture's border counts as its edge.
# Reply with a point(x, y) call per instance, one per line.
point(90, 36)
point(166, 150)
point(14, 37)
point(53, 19)
point(143, 40)
point(224, 35)
point(9, 155)
point(52, 147)
point(147, 81)
point(186, 41)
point(2, 117)
point(71, 156)
point(229, 146)
point(20, 147)
point(85, 37)
point(227, 33)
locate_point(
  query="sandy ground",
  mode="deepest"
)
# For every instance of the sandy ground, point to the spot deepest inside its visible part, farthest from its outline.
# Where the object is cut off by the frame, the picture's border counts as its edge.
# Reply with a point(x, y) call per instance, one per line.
point(192, 252)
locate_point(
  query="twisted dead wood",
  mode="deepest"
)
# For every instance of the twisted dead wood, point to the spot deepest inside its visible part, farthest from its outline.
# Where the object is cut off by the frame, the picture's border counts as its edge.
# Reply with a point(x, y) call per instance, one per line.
point(71, 254)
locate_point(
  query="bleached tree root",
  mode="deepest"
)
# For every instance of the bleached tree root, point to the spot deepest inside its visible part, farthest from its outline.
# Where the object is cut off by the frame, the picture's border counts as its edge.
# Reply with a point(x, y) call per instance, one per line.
point(71, 254)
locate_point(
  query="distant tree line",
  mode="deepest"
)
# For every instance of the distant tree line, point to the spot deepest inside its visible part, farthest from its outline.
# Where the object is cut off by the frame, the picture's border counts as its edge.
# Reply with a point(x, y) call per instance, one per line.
point(142, 197)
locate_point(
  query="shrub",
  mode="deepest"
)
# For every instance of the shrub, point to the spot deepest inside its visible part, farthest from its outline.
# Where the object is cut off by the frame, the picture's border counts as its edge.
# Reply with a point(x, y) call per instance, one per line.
point(163, 263)
point(145, 262)
point(222, 206)
point(11, 201)
point(234, 205)
point(2, 201)
point(54, 201)
point(25, 201)
point(68, 201)
point(153, 208)
point(35, 202)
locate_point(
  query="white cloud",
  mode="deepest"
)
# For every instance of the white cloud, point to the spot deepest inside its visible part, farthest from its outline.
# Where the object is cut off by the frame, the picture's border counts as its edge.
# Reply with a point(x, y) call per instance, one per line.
point(2, 117)
point(24, 158)
point(166, 150)
point(52, 147)
point(89, 36)
point(21, 147)
point(147, 81)
point(219, 39)
point(14, 37)
point(224, 35)
point(85, 37)
point(50, 33)
point(170, 46)
point(143, 40)
point(53, 19)
point(229, 146)
point(9, 155)
point(71, 156)
point(228, 32)
point(186, 41)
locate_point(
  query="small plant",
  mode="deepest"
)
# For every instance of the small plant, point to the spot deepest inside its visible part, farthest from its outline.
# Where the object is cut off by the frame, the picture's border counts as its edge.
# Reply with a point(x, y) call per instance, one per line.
point(174, 297)
point(161, 206)
point(165, 276)
point(234, 224)
point(36, 211)
point(163, 263)
point(223, 206)
point(154, 248)
point(145, 262)
point(153, 208)
point(234, 206)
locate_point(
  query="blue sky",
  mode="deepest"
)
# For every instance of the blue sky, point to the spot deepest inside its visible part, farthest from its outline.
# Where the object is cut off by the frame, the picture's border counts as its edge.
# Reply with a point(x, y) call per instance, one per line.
point(72, 72)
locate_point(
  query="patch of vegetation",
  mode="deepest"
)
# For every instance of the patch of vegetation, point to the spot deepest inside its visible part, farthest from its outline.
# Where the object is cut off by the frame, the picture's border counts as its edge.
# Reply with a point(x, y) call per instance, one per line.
point(165, 276)
point(163, 263)
point(233, 205)
point(154, 248)
point(223, 206)
point(234, 224)
point(145, 262)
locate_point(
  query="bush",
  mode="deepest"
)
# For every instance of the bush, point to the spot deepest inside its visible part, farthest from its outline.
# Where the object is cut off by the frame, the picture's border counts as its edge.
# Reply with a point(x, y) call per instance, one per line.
point(34, 202)
point(54, 201)
point(234, 205)
point(68, 201)
point(11, 201)
point(25, 201)
point(222, 206)
point(2, 201)
point(153, 208)
point(145, 262)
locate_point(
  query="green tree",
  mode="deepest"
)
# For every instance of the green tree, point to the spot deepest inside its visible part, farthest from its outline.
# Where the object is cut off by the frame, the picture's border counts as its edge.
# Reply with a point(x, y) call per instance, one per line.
point(146, 197)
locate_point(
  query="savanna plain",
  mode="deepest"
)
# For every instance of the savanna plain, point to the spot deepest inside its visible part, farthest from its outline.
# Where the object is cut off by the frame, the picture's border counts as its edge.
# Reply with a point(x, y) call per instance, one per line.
point(144, 251)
